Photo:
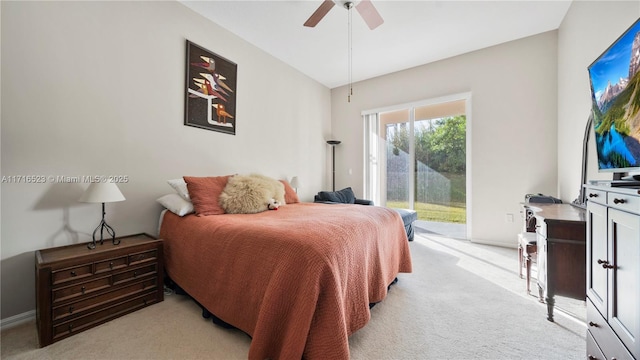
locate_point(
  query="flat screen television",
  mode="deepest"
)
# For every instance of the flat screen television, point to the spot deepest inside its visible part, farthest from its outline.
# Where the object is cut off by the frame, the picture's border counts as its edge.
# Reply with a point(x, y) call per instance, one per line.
point(615, 96)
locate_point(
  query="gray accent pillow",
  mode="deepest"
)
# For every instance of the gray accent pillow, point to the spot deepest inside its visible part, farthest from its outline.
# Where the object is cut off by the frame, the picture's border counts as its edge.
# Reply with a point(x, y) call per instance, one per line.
point(344, 196)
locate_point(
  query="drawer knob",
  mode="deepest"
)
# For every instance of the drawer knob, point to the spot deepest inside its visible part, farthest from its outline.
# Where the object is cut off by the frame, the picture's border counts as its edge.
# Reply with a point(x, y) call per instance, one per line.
point(619, 201)
point(591, 357)
point(111, 265)
point(592, 195)
point(71, 309)
point(591, 323)
point(135, 274)
point(73, 273)
point(70, 327)
point(83, 289)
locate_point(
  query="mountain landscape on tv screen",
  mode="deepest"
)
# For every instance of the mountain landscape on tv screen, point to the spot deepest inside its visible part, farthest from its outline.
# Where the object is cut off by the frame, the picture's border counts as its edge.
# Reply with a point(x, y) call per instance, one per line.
point(617, 116)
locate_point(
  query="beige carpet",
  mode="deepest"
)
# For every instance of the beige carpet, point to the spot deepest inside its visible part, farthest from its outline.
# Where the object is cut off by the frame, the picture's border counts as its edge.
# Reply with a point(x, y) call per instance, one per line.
point(463, 301)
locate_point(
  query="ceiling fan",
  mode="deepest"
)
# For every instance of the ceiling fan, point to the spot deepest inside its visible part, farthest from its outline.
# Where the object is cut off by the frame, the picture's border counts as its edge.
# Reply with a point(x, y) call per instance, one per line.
point(365, 8)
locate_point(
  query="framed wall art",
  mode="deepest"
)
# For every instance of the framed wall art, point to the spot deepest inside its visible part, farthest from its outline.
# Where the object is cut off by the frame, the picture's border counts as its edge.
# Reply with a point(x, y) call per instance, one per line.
point(210, 95)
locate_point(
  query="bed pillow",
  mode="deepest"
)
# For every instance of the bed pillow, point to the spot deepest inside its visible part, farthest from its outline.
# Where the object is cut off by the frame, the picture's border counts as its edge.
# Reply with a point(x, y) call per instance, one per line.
point(205, 193)
point(250, 194)
point(180, 186)
point(176, 204)
point(290, 195)
point(344, 196)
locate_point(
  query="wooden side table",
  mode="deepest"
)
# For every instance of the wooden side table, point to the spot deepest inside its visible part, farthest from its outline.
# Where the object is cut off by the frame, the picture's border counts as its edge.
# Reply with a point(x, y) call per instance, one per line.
point(78, 288)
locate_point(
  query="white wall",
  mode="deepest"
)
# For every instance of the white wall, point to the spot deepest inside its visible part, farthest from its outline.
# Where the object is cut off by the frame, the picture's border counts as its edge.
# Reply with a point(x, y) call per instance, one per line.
point(97, 88)
point(586, 31)
point(513, 125)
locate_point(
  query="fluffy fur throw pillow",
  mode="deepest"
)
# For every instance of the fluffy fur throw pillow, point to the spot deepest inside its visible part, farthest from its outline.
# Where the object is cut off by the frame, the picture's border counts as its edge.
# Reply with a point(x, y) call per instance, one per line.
point(250, 194)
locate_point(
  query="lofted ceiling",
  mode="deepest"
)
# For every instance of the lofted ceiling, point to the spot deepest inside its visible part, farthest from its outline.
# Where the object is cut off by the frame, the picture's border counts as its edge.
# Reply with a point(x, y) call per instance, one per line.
point(413, 33)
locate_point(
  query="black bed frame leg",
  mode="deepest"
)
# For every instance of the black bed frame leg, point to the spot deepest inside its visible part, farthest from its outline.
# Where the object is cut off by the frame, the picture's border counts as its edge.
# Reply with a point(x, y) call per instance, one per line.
point(205, 313)
point(371, 305)
point(393, 282)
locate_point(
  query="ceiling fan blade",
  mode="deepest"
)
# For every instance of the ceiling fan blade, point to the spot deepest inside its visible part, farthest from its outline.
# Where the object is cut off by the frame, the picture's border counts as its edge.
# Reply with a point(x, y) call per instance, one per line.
point(369, 13)
point(322, 10)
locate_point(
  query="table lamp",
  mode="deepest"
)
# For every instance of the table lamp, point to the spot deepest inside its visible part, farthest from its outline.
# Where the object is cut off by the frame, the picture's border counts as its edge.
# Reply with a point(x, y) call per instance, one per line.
point(102, 193)
point(295, 183)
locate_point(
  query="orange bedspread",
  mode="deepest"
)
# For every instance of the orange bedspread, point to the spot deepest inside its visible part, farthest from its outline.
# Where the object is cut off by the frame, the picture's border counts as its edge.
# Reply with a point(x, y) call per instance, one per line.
point(299, 280)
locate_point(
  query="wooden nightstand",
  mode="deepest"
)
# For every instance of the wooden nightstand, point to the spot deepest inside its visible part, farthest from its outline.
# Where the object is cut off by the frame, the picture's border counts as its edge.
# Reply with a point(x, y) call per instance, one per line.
point(78, 288)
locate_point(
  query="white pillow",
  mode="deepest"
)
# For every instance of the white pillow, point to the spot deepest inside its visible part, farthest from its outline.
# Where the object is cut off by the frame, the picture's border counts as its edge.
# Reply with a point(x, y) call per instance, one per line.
point(180, 186)
point(176, 204)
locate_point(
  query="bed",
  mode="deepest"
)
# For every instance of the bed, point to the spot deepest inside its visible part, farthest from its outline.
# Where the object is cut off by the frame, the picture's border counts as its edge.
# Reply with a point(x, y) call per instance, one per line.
point(298, 280)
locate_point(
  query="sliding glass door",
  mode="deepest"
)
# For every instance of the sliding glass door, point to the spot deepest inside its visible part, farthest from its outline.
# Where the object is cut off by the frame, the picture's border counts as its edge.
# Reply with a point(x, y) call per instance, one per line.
point(419, 162)
point(399, 162)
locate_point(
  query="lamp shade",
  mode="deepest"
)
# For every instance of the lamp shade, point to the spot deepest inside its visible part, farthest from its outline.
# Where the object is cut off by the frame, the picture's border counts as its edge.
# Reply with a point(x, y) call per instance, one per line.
point(102, 193)
point(295, 183)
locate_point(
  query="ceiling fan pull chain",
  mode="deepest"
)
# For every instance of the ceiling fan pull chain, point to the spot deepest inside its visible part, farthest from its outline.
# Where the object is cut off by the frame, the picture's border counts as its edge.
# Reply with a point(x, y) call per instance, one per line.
point(349, 6)
point(369, 14)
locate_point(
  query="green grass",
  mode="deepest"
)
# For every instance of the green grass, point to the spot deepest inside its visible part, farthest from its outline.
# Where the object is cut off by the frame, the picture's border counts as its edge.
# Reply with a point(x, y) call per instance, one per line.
point(455, 213)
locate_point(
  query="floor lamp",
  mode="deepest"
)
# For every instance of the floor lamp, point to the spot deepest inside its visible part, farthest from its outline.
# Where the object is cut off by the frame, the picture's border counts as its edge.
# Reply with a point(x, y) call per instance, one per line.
point(333, 144)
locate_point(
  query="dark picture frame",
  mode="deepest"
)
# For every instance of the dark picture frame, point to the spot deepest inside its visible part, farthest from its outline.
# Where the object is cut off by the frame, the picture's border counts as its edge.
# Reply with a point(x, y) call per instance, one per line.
point(210, 94)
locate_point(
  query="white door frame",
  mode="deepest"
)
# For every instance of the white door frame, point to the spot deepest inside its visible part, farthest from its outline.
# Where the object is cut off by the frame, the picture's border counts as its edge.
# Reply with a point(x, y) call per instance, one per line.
point(466, 96)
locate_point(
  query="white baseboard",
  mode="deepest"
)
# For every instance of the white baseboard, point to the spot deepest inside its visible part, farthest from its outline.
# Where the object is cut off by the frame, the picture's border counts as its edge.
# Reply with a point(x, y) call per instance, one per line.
point(17, 320)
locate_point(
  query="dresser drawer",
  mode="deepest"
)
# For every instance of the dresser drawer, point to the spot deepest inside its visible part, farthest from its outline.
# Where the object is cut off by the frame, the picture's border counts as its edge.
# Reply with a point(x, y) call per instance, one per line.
point(593, 350)
point(72, 273)
point(142, 257)
point(70, 292)
point(597, 196)
point(111, 264)
point(99, 301)
point(134, 274)
point(604, 335)
point(624, 202)
point(103, 315)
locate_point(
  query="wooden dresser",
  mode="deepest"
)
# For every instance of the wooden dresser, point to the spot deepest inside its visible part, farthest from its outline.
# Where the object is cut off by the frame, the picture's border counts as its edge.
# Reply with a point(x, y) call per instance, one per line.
point(561, 242)
point(613, 273)
point(78, 288)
